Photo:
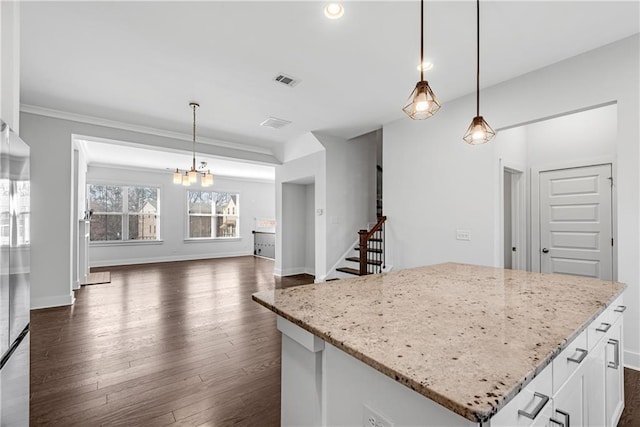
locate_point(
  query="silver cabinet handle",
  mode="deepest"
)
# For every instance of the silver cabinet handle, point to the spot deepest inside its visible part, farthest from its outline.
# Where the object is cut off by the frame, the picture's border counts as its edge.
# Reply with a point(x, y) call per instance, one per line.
point(616, 354)
point(533, 414)
point(567, 419)
point(620, 309)
point(583, 354)
point(604, 327)
point(554, 421)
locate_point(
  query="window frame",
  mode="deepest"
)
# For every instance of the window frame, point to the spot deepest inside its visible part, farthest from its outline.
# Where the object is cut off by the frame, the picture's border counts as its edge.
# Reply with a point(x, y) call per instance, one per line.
point(213, 215)
point(125, 214)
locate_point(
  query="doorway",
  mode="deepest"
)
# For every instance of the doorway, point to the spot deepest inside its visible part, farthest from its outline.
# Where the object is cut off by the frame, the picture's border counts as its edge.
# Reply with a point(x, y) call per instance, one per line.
point(575, 221)
point(298, 227)
point(514, 227)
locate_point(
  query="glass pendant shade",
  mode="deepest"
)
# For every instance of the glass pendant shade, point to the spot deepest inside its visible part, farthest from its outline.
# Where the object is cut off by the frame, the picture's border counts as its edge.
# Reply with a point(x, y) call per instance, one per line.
point(478, 132)
point(422, 103)
point(177, 177)
point(193, 176)
point(185, 180)
point(209, 177)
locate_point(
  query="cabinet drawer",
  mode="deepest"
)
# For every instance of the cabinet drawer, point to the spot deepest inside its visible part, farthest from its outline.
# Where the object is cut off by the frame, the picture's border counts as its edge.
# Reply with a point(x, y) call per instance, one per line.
point(598, 328)
point(534, 399)
point(570, 359)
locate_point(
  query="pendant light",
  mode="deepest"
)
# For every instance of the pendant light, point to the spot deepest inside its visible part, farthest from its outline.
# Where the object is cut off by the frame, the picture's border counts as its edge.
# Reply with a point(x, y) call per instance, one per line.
point(191, 176)
point(422, 102)
point(479, 131)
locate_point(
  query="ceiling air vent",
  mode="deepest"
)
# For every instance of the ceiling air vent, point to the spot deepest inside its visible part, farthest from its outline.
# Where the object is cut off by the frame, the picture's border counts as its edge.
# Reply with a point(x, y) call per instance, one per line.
point(286, 80)
point(275, 123)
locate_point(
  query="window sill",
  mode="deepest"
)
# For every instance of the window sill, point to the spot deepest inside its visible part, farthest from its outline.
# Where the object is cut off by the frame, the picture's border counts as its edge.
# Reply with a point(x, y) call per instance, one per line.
point(126, 243)
point(213, 240)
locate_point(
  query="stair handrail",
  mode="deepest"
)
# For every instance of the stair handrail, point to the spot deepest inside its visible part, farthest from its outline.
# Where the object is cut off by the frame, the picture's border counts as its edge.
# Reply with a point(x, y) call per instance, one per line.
point(365, 236)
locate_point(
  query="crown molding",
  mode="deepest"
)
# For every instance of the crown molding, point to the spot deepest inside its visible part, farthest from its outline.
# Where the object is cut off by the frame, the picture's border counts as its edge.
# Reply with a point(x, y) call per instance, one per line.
point(65, 115)
point(167, 172)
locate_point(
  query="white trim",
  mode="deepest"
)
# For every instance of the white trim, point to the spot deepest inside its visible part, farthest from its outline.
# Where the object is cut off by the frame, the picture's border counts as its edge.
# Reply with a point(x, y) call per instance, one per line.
point(54, 301)
point(109, 243)
point(64, 115)
point(632, 360)
point(153, 260)
point(212, 239)
point(291, 271)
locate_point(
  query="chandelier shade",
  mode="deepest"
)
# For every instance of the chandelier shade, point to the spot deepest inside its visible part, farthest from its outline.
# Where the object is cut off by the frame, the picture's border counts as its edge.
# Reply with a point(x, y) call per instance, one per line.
point(478, 132)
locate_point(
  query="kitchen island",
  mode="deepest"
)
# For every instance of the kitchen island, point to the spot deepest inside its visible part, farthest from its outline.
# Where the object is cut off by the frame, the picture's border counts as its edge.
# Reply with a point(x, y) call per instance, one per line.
point(449, 344)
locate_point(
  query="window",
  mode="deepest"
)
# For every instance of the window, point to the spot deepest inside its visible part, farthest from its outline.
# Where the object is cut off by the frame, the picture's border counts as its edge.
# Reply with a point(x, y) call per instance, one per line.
point(212, 215)
point(123, 213)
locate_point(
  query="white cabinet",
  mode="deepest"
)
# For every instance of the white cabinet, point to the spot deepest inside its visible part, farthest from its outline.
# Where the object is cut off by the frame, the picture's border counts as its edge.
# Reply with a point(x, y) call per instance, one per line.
point(614, 391)
point(596, 403)
point(569, 403)
point(583, 386)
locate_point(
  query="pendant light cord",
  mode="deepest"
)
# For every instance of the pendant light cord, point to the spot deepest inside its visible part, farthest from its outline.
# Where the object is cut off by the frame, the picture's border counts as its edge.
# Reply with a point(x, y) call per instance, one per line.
point(421, 40)
point(194, 135)
point(478, 58)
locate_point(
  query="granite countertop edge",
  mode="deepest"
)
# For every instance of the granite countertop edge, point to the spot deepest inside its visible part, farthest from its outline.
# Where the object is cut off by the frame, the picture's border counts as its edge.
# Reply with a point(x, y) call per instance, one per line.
point(457, 407)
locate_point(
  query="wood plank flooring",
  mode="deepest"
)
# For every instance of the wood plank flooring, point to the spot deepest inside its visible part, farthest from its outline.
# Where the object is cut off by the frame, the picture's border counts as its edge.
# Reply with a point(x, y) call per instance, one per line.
point(163, 344)
point(173, 344)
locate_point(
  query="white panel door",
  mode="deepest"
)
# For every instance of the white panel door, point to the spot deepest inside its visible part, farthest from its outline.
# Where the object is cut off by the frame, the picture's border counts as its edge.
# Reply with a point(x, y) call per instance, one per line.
point(575, 222)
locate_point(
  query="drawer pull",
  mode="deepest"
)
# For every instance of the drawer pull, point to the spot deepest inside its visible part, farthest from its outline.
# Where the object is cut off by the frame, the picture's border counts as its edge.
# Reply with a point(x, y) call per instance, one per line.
point(604, 327)
point(556, 422)
point(620, 309)
point(567, 419)
point(533, 414)
point(616, 354)
point(583, 354)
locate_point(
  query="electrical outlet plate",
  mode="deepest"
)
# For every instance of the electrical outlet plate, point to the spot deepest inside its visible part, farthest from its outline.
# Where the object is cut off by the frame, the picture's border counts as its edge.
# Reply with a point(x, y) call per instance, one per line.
point(370, 418)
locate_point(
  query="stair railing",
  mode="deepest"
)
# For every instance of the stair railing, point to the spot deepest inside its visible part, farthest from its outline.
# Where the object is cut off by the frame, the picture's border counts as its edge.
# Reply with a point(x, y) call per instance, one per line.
point(377, 254)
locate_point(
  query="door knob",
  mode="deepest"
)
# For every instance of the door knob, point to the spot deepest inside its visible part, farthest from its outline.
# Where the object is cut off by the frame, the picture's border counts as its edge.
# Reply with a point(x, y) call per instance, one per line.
point(545, 250)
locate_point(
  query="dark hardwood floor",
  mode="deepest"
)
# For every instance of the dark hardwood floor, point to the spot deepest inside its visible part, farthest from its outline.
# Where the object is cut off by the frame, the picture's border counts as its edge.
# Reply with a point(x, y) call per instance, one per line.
point(177, 343)
point(173, 343)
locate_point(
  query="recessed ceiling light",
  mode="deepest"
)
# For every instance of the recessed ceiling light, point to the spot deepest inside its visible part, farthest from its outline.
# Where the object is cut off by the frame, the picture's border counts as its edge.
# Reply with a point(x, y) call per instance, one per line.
point(425, 66)
point(333, 10)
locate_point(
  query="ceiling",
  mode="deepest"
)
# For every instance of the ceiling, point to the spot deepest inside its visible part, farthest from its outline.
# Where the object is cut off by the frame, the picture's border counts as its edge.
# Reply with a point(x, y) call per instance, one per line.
point(140, 63)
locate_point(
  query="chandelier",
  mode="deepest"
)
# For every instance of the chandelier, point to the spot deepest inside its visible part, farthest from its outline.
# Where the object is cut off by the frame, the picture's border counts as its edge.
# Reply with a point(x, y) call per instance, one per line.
point(191, 176)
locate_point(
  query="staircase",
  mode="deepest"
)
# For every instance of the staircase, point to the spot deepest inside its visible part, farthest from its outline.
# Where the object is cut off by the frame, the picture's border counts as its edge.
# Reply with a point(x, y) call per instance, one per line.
point(370, 251)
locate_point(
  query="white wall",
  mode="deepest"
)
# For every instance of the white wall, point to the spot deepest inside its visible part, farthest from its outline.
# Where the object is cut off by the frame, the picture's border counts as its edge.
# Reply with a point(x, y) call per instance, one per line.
point(257, 200)
point(581, 137)
point(10, 65)
point(351, 194)
point(434, 183)
point(50, 140)
point(294, 228)
point(310, 225)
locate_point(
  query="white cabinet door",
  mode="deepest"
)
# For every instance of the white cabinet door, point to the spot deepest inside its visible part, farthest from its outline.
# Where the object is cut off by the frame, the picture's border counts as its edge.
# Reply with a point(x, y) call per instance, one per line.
point(569, 403)
point(595, 385)
point(614, 391)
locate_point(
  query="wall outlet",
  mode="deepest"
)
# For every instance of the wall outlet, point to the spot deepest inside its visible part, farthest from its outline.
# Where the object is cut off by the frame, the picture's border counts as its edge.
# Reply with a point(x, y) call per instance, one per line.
point(370, 418)
point(463, 234)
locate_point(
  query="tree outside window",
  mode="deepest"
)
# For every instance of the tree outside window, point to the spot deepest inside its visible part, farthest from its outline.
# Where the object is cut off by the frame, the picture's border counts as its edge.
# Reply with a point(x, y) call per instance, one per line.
point(212, 214)
point(123, 213)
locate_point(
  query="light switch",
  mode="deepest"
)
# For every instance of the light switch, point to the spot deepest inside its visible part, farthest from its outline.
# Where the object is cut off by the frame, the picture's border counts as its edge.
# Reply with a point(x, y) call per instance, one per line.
point(463, 234)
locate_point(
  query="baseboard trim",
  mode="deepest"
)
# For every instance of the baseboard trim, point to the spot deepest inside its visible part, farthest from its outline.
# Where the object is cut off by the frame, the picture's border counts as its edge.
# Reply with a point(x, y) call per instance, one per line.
point(632, 360)
point(292, 271)
point(54, 301)
point(131, 261)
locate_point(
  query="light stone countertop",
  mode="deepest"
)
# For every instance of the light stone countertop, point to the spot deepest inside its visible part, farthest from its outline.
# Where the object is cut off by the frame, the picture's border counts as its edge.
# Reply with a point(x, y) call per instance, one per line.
point(464, 336)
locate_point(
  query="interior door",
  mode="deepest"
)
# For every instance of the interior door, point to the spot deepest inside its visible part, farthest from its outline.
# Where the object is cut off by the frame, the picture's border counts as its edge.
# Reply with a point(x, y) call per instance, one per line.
point(575, 221)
